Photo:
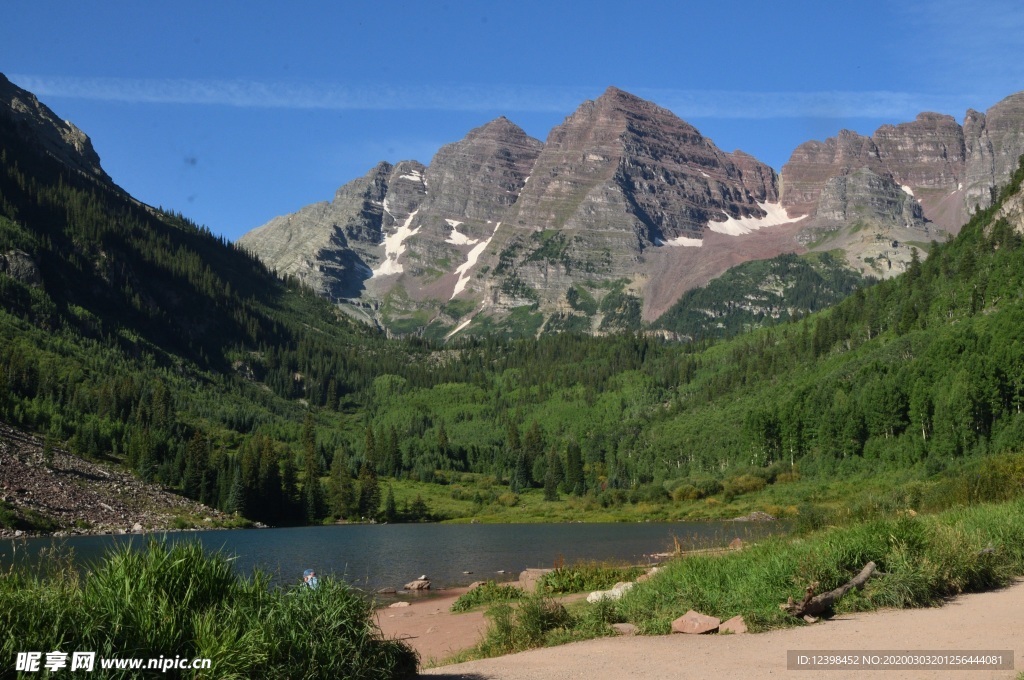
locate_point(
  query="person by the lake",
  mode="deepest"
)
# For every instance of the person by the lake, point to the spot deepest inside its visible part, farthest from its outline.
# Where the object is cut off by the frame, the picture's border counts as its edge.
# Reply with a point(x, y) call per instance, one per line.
point(309, 579)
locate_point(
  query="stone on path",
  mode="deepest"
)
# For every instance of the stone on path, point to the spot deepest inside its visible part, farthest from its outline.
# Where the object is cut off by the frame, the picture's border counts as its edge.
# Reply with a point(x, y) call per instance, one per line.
point(695, 623)
point(734, 625)
point(396, 605)
point(624, 628)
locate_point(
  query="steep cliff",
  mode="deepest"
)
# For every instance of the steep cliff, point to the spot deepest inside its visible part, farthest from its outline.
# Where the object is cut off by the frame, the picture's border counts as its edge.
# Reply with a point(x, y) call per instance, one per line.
point(58, 138)
point(621, 210)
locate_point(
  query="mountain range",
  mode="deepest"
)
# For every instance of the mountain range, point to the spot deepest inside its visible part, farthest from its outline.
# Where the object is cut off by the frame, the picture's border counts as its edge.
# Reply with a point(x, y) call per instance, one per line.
point(620, 211)
point(133, 335)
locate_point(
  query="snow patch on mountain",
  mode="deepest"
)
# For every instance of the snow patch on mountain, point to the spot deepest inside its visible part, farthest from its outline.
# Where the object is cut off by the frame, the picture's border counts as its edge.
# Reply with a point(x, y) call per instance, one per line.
point(457, 238)
point(459, 327)
point(684, 241)
point(394, 246)
point(463, 269)
point(732, 226)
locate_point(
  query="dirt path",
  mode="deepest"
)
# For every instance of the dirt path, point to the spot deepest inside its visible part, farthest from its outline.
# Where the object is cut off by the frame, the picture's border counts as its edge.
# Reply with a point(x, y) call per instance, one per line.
point(430, 628)
point(985, 621)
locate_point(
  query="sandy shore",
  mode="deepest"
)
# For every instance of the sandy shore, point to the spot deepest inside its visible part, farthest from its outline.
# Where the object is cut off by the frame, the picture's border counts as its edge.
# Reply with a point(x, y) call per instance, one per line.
point(430, 628)
point(985, 621)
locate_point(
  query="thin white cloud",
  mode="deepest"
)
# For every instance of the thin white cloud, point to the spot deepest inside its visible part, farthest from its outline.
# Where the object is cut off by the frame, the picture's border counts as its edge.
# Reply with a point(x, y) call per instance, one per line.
point(330, 96)
point(823, 104)
point(500, 98)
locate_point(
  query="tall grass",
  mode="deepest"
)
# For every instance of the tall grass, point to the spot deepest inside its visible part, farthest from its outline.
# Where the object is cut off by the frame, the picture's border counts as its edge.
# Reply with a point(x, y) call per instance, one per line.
point(488, 592)
point(179, 601)
point(920, 561)
point(587, 576)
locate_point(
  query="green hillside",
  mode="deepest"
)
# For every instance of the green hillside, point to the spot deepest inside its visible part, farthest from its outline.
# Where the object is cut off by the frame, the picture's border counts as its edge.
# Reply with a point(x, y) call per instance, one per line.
point(156, 344)
point(761, 292)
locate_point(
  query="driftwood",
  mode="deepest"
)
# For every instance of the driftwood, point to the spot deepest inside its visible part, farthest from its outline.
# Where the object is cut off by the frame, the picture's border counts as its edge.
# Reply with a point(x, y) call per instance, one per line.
point(813, 605)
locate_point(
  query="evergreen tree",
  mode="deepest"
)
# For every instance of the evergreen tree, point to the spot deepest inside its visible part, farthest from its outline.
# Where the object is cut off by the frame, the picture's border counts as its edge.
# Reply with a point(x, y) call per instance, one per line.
point(418, 510)
point(390, 512)
point(553, 476)
point(341, 492)
point(236, 497)
point(574, 479)
point(369, 492)
point(196, 462)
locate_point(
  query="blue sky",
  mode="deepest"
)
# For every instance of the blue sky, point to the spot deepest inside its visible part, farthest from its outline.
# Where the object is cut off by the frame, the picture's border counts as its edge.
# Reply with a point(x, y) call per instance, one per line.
point(234, 112)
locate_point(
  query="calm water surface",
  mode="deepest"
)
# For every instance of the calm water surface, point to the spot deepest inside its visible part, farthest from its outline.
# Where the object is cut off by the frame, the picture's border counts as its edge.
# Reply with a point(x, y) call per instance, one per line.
point(378, 556)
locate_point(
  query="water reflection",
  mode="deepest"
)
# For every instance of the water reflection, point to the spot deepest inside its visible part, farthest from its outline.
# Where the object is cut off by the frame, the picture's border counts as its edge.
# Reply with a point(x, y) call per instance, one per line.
point(379, 556)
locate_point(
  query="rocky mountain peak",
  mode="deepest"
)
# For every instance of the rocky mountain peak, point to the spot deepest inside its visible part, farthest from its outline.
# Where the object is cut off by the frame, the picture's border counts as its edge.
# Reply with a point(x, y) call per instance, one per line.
point(946, 167)
point(60, 138)
point(993, 142)
point(499, 128)
point(625, 206)
point(478, 177)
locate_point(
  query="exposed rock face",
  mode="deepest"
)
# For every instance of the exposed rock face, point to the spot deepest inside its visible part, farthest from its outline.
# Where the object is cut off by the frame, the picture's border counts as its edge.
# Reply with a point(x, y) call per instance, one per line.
point(624, 164)
point(619, 177)
point(913, 182)
point(330, 247)
point(60, 138)
point(871, 219)
point(947, 168)
point(479, 177)
point(1013, 212)
point(863, 195)
point(994, 142)
point(926, 156)
point(387, 229)
point(501, 221)
point(621, 210)
point(19, 265)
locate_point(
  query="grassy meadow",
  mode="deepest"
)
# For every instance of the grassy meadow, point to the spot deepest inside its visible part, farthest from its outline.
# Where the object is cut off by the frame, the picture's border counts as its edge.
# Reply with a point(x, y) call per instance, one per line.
point(930, 540)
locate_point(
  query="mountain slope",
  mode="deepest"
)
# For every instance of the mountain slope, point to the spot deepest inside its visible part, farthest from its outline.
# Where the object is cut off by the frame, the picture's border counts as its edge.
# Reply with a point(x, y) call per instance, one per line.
point(761, 292)
point(132, 335)
point(907, 184)
point(505, 226)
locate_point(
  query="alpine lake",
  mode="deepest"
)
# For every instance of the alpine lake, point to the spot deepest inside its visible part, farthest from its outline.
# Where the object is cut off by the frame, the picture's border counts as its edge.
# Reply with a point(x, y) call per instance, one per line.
point(373, 557)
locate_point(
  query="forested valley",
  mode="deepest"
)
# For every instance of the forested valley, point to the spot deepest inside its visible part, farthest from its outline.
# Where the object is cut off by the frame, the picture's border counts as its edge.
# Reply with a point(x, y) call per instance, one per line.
point(139, 337)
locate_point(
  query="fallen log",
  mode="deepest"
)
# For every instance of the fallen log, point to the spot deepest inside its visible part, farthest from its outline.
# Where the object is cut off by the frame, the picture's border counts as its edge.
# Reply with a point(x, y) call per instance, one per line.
point(813, 605)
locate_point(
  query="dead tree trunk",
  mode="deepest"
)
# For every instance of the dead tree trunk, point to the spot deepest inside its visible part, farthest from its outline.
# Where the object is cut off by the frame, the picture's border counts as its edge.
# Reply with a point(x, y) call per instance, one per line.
point(813, 605)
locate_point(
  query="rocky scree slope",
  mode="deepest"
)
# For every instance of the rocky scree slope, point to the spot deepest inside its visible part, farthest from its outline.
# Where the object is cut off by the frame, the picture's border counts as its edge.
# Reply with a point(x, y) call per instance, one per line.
point(47, 488)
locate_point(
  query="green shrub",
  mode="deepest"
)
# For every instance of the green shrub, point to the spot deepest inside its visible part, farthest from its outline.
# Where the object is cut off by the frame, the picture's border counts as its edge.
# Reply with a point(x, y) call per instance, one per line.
point(737, 486)
point(487, 593)
point(522, 627)
point(586, 576)
point(179, 601)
